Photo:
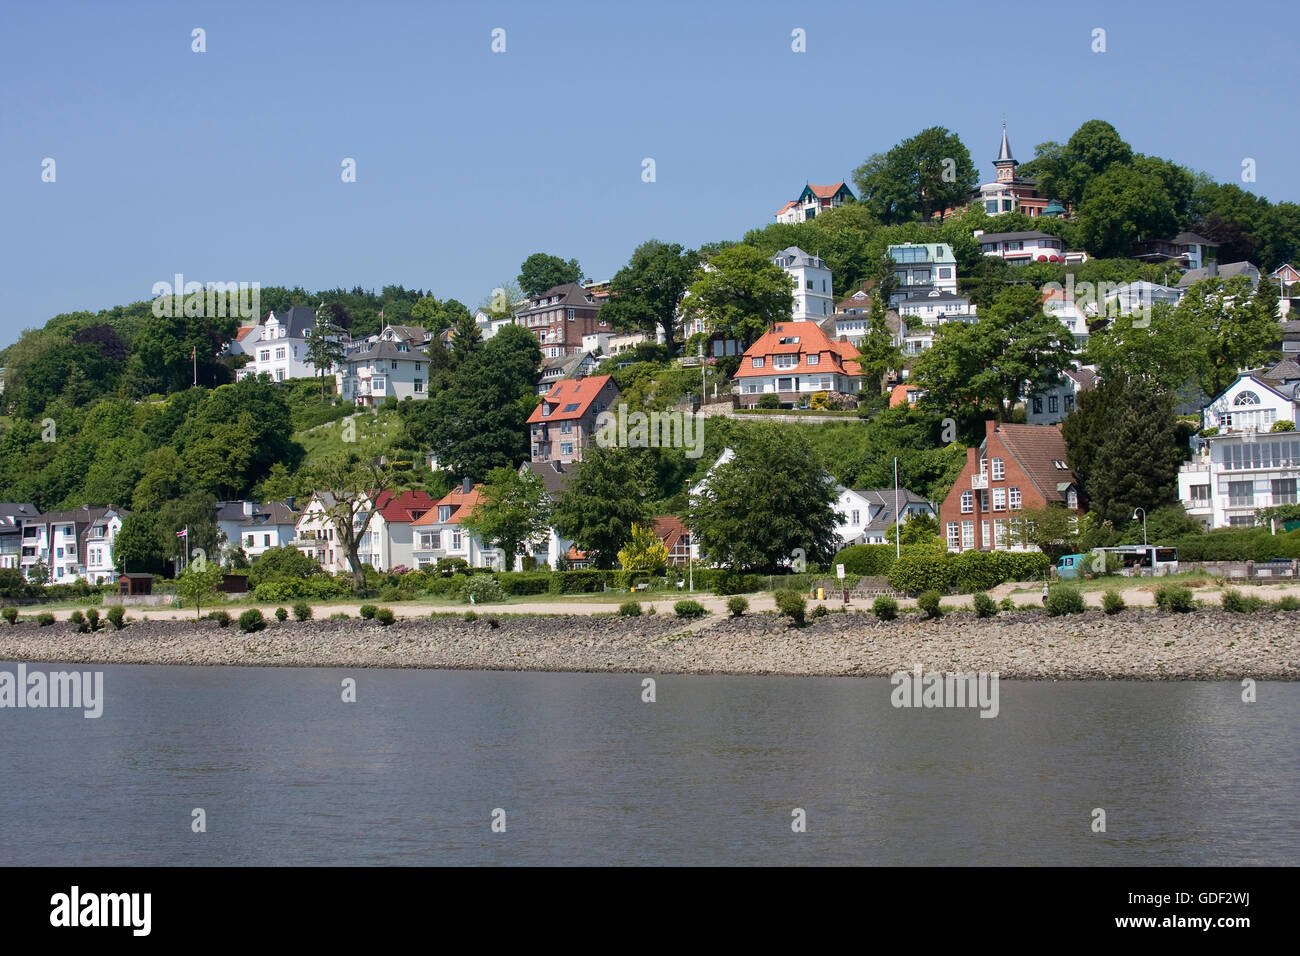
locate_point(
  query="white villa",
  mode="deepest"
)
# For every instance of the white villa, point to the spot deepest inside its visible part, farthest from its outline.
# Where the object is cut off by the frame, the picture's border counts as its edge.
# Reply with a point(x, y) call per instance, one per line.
point(814, 298)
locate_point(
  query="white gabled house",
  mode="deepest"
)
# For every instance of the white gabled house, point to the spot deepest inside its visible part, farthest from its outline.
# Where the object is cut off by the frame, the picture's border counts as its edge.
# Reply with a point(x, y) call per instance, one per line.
point(255, 527)
point(280, 349)
point(73, 545)
point(439, 533)
point(373, 371)
point(1252, 404)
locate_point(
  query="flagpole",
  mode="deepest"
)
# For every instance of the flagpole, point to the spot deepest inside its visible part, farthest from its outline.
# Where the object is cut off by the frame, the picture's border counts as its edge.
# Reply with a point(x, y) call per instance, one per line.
point(898, 525)
point(194, 357)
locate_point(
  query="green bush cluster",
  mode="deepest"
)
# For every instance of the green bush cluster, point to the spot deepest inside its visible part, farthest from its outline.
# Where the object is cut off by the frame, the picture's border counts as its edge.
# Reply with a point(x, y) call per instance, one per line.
point(1064, 599)
point(1238, 544)
point(483, 589)
point(1239, 603)
point(221, 617)
point(928, 602)
point(689, 609)
point(1112, 602)
point(116, 616)
point(92, 618)
point(367, 611)
point(885, 608)
point(45, 619)
point(792, 604)
point(251, 620)
point(629, 609)
point(281, 615)
point(301, 611)
point(384, 616)
point(10, 614)
point(1175, 598)
point(737, 605)
point(984, 605)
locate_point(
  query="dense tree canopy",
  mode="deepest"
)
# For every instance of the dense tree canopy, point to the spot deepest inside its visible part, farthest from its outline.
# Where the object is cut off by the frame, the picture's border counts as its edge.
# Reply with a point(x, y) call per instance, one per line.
point(540, 272)
point(920, 177)
point(645, 294)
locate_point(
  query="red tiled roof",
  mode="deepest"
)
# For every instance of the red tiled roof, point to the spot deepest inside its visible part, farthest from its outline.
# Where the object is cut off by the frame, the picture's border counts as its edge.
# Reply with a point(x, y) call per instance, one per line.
point(792, 202)
point(1037, 448)
point(403, 506)
point(826, 192)
point(243, 330)
point(841, 356)
point(576, 392)
point(670, 531)
point(899, 395)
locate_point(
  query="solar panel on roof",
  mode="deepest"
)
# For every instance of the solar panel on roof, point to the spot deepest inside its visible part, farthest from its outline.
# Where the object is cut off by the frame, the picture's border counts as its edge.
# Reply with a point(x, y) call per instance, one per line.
point(571, 407)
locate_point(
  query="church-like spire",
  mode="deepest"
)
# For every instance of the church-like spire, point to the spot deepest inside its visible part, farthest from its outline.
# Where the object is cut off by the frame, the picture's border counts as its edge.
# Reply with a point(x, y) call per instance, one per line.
point(1004, 154)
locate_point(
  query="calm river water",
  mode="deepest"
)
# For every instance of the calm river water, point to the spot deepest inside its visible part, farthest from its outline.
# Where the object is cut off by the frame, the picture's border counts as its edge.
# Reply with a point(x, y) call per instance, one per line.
point(286, 772)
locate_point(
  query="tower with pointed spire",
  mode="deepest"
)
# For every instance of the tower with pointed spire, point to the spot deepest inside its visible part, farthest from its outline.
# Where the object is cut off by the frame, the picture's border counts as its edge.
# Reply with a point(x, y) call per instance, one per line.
point(1009, 191)
point(1005, 163)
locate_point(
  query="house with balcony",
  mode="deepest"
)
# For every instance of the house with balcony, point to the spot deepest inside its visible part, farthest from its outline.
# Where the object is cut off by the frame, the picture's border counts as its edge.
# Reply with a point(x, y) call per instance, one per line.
point(316, 535)
point(1235, 474)
point(1016, 468)
point(564, 422)
point(1021, 247)
point(439, 532)
point(391, 531)
point(256, 526)
point(921, 268)
point(280, 348)
point(72, 545)
point(794, 360)
point(373, 371)
point(812, 200)
point(1187, 249)
point(1254, 403)
point(814, 296)
point(561, 317)
point(13, 515)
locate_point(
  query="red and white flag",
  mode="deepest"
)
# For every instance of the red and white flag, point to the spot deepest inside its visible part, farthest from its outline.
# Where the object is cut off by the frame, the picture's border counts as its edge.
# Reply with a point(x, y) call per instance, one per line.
point(183, 534)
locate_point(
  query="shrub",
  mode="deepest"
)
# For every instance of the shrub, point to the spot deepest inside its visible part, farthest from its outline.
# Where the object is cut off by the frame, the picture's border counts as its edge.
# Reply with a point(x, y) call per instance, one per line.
point(517, 583)
point(629, 609)
point(1175, 598)
point(368, 611)
point(913, 573)
point(251, 620)
point(689, 609)
point(45, 619)
point(339, 616)
point(115, 615)
point(1007, 604)
point(221, 617)
point(79, 619)
point(469, 616)
point(10, 614)
point(390, 593)
point(885, 608)
point(1287, 603)
point(281, 615)
point(493, 621)
point(866, 560)
point(301, 611)
point(985, 606)
point(1239, 603)
point(1064, 599)
point(737, 605)
point(92, 618)
point(819, 611)
point(792, 604)
point(483, 589)
point(928, 602)
point(729, 582)
point(769, 400)
point(384, 615)
point(1111, 602)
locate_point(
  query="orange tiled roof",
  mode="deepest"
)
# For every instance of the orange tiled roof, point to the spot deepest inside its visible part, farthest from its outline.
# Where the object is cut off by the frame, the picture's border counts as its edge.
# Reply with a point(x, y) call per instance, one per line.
point(826, 192)
point(243, 330)
point(578, 393)
point(461, 506)
point(841, 356)
point(792, 202)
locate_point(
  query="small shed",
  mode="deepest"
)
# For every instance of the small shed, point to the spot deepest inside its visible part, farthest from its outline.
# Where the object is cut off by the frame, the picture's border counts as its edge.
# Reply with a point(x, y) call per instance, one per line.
point(234, 583)
point(130, 585)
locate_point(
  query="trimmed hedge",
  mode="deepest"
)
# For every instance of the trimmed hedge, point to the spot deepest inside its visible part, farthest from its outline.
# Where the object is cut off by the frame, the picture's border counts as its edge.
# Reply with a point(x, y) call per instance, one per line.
point(914, 573)
point(866, 560)
point(519, 583)
point(321, 586)
point(968, 571)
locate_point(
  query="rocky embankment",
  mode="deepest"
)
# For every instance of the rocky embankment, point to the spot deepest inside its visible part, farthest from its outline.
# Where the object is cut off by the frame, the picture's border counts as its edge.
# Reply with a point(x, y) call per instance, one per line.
point(1137, 644)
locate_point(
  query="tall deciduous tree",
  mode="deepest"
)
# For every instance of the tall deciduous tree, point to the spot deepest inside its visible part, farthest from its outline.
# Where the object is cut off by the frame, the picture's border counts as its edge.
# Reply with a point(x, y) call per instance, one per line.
point(608, 495)
point(324, 347)
point(512, 512)
point(771, 501)
point(355, 482)
point(1015, 348)
point(740, 292)
point(1094, 148)
point(645, 294)
point(540, 272)
point(920, 177)
point(1234, 329)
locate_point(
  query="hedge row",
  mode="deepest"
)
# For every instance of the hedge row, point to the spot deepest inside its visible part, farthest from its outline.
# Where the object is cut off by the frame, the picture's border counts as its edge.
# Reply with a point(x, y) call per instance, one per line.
point(1238, 544)
point(966, 572)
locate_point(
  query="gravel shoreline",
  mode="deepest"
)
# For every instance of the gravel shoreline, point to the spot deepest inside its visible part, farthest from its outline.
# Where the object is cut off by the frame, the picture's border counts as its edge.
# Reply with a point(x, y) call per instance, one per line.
point(1135, 644)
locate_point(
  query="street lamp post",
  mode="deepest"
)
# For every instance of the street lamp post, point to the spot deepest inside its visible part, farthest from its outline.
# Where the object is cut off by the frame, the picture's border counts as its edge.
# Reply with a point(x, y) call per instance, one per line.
point(1144, 523)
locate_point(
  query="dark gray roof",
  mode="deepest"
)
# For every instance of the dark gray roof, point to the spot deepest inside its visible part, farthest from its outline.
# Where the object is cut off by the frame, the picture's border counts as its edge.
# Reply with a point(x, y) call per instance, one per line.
point(272, 512)
point(555, 475)
point(1191, 238)
point(1227, 270)
point(570, 293)
point(1286, 370)
point(382, 351)
point(882, 505)
point(1291, 327)
point(1004, 236)
point(298, 320)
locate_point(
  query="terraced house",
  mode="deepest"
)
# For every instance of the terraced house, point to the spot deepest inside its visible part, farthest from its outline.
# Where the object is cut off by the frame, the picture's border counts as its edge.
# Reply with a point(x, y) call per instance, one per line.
point(72, 545)
point(1016, 468)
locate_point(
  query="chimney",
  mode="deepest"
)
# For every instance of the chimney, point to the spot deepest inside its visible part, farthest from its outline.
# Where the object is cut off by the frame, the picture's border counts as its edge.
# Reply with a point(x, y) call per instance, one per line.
point(248, 509)
point(1213, 268)
point(466, 485)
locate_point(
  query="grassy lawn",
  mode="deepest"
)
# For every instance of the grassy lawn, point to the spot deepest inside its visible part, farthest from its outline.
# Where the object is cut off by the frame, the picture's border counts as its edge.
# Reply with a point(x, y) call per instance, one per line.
point(1191, 579)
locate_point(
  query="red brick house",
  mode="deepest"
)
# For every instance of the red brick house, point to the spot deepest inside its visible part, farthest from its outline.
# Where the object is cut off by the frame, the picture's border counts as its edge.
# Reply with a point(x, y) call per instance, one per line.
point(560, 317)
point(562, 425)
point(1016, 468)
point(676, 538)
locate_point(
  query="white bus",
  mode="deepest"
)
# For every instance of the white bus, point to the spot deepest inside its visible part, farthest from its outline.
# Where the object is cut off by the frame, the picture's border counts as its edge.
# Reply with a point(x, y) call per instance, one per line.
point(1143, 559)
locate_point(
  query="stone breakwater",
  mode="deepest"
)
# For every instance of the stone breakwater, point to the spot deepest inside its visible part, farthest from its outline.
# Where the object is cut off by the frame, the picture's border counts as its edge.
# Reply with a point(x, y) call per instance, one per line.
point(1135, 644)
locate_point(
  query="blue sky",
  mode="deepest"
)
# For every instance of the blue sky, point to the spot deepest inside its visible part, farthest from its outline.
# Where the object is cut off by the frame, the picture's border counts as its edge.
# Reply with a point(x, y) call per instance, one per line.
point(225, 165)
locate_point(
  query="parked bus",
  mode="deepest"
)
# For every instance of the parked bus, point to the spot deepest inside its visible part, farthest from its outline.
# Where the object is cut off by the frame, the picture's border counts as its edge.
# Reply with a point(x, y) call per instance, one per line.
point(1135, 560)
